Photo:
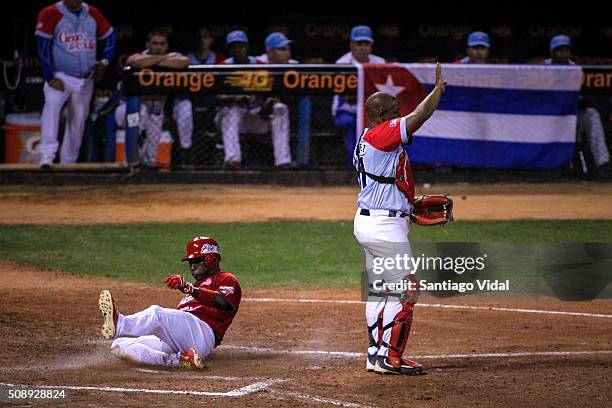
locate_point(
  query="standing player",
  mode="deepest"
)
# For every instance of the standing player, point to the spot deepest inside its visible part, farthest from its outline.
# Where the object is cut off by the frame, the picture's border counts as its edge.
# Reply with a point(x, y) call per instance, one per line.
point(67, 33)
point(186, 335)
point(381, 226)
point(344, 107)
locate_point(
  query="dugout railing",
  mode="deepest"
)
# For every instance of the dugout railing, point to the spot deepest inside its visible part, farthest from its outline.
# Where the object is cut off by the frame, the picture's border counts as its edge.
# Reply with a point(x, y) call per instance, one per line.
point(159, 105)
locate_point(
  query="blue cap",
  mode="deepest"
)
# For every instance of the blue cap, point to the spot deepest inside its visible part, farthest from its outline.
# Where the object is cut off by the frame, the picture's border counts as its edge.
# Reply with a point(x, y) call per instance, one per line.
point(560, 41)
point(362, 33)
point(478, 38)
point(236, 36)
point(276, 40)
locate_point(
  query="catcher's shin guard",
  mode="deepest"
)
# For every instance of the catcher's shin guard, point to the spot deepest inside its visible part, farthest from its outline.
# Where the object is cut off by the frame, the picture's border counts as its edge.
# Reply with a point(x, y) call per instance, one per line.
point(375, 340)
point(400, 330)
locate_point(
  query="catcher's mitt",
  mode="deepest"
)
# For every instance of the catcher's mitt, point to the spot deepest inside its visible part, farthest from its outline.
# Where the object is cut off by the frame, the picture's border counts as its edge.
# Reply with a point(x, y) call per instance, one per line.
point(432, 210)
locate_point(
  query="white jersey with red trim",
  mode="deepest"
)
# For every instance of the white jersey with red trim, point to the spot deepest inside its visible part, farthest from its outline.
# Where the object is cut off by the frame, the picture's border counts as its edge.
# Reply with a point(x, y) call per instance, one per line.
point(74, 36)
point(378, 153)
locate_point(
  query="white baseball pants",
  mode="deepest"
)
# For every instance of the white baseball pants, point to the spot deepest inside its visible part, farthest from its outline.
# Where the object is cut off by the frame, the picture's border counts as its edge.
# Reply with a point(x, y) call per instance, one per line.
point(77, 93)
point(589, 122)
point(152, 124)
point(386, 237)
point(233, 120)
point(157, 336)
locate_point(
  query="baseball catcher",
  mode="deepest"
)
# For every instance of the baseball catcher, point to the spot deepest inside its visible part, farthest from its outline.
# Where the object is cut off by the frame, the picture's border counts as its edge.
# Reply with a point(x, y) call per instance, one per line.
point(186, 335)
point(386, 200)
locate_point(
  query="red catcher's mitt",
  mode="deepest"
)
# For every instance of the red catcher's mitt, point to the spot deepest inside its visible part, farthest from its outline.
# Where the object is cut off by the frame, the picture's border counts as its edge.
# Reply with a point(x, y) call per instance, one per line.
point(432, 210)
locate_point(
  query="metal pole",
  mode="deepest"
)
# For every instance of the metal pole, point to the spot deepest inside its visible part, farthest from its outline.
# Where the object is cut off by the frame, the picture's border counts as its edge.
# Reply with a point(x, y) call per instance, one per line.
point(303, 147)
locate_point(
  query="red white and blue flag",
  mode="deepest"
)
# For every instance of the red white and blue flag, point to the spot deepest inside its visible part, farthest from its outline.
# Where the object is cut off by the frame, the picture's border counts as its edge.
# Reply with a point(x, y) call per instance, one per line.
point(493, 116)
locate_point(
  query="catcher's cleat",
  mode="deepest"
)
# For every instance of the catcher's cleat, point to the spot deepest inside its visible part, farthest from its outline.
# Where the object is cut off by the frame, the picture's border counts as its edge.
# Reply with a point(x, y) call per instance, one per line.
point(109, 314)
point(410, 367)
point(190, 359)
point(371, 362)
point(383, 366)
point(386, 365)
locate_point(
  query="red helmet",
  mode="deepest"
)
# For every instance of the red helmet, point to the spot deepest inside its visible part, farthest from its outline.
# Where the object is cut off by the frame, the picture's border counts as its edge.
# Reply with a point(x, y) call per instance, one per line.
point(204, 247)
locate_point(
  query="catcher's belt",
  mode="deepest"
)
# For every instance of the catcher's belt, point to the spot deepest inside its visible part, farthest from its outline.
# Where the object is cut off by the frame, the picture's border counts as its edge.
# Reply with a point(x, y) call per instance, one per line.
point(387, 213)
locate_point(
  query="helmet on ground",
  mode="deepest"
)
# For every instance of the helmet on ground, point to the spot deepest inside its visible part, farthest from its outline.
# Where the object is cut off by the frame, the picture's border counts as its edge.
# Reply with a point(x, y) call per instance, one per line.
point(203, 247)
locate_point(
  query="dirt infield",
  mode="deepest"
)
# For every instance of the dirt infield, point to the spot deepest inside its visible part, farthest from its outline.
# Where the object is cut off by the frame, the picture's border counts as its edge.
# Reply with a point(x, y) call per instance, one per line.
point(284, 352)
point(202, 203)
point(274, 352)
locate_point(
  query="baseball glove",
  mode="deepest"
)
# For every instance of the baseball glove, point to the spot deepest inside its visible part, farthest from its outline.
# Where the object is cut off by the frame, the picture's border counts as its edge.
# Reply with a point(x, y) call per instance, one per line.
point(432, 210)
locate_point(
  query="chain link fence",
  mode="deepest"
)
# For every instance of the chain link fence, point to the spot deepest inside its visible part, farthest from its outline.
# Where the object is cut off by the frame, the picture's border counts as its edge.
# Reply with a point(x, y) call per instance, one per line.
point(281, 123)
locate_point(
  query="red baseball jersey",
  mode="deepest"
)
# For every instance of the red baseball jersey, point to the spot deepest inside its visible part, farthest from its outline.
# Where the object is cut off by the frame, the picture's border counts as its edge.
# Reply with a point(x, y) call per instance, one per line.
point(218, 320)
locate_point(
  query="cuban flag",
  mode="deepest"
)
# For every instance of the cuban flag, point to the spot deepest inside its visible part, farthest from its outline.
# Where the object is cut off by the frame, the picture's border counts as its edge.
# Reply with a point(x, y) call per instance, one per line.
point(490, 116)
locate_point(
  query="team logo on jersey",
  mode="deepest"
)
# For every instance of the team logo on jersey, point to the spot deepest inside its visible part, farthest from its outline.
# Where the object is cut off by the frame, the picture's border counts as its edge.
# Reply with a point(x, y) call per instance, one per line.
point(251, 81)
point(393, 123)
point(226, 290)
point(75, 41)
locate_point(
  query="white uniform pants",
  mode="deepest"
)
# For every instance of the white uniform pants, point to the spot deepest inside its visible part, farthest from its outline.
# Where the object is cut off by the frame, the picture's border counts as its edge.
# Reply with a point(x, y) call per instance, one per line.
point(382, 237)
point(158, 335)
point(589, 122)
point(233, 120)
point(77, 93)
point(152, 124)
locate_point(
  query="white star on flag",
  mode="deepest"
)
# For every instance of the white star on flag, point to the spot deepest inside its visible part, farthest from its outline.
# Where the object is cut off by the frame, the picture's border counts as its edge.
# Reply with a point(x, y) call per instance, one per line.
point(389, 87)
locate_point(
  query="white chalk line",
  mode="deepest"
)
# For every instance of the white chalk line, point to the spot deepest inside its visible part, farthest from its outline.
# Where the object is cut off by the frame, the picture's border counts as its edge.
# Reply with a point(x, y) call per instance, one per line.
point(239, 392)
point(323, 400)
point(439, 305)
point(265, 350)
point(199, 377)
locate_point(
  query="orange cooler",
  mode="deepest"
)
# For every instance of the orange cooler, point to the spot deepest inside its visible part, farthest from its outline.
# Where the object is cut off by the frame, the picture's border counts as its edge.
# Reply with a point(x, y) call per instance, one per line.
point(22, 136)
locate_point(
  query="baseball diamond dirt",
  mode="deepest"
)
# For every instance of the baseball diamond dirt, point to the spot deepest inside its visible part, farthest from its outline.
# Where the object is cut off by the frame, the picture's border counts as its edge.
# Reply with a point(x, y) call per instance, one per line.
point(189, 203)
point(291, 347)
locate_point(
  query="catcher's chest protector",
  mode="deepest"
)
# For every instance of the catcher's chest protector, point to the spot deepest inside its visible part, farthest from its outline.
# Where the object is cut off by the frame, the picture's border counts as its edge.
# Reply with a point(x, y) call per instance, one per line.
point(403, 177)
point(381, 161)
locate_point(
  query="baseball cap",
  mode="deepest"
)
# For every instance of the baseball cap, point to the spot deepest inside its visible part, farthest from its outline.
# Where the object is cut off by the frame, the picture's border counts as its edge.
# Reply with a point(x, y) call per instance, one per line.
point(276, 40)
point(560, 41)
point(478, 38)
point(362, 33)
point(236, 36)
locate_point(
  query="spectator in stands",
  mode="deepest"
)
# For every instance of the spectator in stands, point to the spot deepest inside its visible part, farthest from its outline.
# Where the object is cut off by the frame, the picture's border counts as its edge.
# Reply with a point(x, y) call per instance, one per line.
point(589, 127)
point(252, 114)
point(560, 51)
point(478, 48)
point(203, 54)
point(152, 106)
point(344, 107)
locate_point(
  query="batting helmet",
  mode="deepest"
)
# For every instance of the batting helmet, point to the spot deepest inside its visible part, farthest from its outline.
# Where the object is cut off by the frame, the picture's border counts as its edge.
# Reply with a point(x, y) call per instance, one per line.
point(204, 247)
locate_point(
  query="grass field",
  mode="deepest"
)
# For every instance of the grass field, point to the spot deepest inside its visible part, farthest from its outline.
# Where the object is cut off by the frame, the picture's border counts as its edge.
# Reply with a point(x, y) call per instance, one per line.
point(266, 254)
